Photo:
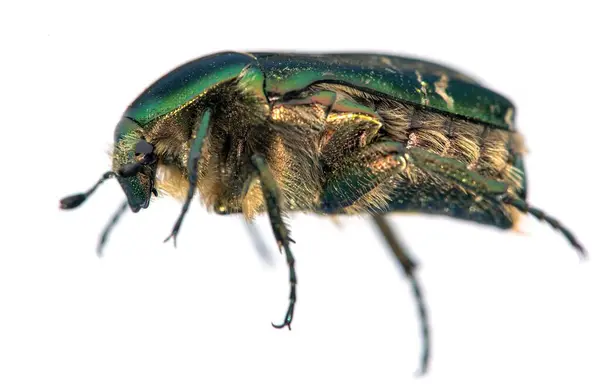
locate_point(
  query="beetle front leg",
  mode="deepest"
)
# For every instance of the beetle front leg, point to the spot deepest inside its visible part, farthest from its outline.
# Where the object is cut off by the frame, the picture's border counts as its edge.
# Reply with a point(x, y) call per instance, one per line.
point(194, 157)
point(272, 197)
point(109, 227)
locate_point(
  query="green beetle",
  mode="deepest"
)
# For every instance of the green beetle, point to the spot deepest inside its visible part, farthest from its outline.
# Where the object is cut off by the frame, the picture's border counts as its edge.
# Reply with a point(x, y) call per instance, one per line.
point(323, 133)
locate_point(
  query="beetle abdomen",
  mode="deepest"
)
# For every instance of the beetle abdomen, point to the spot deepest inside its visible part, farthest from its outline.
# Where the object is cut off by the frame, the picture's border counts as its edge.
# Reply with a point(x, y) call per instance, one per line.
point(490, 151)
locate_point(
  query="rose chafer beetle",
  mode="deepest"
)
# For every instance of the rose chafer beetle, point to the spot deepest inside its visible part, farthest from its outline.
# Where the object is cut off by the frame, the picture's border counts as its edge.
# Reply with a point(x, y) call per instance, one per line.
point(329, 134)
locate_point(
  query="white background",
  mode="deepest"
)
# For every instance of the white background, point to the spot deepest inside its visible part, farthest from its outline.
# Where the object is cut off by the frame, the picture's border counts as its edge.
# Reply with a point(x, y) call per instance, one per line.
point(505, 308)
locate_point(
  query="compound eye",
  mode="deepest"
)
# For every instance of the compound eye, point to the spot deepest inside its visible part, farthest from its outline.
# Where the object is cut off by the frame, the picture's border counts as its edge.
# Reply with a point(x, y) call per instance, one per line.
point(143, 148)
point(144, 153)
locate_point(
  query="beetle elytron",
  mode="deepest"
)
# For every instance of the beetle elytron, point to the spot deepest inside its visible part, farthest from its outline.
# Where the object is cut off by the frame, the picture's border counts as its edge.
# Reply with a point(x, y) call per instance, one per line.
point(323, 133)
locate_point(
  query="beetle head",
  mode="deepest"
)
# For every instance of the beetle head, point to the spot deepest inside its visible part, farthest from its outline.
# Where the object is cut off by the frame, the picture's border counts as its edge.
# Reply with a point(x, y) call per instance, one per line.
point(134, 166)
point(134, 162)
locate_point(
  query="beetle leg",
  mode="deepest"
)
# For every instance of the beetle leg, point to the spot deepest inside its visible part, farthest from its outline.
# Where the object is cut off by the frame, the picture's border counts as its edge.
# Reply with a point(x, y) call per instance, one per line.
point(360, 173)
point(524, 207)
point(458, 173)
point(408, 266)
point(272, 197)
point(454, 171)
point(193, 159)
point(109, 226)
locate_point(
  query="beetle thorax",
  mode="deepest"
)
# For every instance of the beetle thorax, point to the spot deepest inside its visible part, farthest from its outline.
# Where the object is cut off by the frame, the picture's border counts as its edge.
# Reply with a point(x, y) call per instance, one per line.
point(238, 129)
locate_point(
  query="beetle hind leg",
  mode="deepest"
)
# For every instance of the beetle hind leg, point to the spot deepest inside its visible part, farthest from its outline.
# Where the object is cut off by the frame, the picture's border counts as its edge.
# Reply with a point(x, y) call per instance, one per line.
point(522, 206)
point(408, 266)
point(492, 189)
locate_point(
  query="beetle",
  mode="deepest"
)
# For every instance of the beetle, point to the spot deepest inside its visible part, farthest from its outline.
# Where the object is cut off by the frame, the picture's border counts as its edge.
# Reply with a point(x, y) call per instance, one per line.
point(331, 134)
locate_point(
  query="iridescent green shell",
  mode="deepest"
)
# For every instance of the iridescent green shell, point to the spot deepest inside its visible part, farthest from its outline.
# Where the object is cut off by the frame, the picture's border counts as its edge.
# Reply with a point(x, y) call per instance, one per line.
point(404, 79)
point(186, 83)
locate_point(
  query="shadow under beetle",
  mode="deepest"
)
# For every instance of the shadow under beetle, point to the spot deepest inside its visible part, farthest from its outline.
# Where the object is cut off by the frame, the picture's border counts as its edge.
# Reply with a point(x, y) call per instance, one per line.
point(330, 134)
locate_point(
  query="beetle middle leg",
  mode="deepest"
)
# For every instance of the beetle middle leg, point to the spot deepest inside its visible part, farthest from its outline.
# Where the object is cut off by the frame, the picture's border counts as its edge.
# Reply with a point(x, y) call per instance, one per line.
point(357, 177)
point(273, 199)
point(193, 159)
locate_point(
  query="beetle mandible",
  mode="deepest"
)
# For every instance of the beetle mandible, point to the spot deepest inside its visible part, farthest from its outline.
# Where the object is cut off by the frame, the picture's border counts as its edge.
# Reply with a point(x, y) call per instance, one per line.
point(332, 134)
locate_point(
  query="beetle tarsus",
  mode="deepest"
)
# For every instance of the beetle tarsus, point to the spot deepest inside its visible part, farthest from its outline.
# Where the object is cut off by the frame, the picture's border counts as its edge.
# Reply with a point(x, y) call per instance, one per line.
point(408, 265)
point(289, 315)
point(522, 206)
point(282, 234)
point(287, 321)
